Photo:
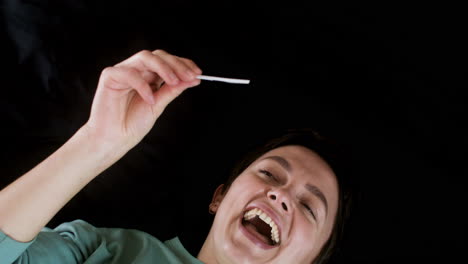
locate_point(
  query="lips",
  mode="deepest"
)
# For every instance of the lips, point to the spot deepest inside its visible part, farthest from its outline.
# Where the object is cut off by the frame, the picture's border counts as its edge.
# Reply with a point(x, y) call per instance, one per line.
point(263, 224)
point(254, 238)
point(255, 222)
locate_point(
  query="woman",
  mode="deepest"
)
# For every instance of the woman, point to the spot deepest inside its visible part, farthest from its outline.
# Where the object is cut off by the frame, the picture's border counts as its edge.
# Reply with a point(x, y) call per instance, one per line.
point(282, 204)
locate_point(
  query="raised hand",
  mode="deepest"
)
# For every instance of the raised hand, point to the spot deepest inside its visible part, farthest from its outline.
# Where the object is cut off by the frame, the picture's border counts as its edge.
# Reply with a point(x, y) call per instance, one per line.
point(132, 95)
point(129, 98)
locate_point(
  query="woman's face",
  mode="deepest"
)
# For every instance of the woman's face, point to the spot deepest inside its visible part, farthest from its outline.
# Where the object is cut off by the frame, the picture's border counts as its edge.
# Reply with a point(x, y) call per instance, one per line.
point(296, 190)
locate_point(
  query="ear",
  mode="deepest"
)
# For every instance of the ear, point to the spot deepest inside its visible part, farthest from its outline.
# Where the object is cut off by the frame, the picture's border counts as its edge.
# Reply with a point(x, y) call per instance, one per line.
point(217, 198)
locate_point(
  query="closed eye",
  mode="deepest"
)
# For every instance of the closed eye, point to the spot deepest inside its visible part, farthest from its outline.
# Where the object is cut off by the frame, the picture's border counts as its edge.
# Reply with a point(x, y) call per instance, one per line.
point(310, 210)
point(269, 175)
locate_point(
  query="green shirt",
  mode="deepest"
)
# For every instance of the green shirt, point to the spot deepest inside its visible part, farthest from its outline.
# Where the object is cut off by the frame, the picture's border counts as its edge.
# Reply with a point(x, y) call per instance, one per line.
point(80, 242)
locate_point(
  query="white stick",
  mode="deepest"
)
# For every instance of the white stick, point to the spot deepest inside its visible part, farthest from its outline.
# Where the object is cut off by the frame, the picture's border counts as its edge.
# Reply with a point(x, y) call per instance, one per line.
point(221, 79)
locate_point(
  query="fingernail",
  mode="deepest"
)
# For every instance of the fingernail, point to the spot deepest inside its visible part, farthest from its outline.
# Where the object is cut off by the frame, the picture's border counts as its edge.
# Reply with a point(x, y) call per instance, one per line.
point(190, 73)
point(195, 83)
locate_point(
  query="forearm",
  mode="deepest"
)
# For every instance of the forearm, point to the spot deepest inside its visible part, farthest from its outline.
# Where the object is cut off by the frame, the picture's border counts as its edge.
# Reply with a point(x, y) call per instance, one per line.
point(29, 203)
point(125, 108)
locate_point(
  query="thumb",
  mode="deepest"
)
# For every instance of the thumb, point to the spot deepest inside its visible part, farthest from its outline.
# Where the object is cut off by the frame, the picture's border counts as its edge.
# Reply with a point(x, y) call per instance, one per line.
point(167, 93)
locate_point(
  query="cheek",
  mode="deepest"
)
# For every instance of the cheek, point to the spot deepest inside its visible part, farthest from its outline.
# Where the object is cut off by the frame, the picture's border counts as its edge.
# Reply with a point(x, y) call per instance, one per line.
point(305, 230)
point(247, 185)
point(305, 239)
point(242, 192)
point(239, 194)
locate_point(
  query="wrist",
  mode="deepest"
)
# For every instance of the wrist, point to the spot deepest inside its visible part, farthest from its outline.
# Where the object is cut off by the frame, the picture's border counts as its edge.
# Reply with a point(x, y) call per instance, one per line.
point(103, 150)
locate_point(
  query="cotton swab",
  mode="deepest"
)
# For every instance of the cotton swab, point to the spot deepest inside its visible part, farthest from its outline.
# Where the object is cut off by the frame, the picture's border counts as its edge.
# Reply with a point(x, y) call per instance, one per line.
point(221, 79)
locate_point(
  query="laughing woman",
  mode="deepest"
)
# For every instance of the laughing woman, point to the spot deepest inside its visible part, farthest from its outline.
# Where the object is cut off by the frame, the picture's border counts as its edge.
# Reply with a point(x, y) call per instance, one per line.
point(284, 203)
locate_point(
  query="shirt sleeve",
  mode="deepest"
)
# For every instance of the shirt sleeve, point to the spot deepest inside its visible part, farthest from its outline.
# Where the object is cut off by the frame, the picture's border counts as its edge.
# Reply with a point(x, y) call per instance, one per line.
point(72, 242)
point(11, 249)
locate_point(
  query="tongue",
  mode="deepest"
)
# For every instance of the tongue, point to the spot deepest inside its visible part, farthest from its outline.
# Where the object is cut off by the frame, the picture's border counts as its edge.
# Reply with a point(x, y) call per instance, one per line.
point(253, 230)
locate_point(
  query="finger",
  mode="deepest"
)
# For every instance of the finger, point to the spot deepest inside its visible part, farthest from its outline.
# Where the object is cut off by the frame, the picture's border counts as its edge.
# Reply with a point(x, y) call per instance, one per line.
point(168, 93)
point(183, 70)
point(121, 78)
point(152, 78)
point(192, 65)
point(147, 61)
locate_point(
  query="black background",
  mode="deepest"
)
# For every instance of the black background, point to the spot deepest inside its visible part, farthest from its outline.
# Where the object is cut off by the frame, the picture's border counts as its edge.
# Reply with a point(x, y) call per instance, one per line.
point(388, 81)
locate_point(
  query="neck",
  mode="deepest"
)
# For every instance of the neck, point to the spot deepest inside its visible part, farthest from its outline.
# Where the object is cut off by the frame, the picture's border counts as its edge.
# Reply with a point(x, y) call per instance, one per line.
point(206, 254)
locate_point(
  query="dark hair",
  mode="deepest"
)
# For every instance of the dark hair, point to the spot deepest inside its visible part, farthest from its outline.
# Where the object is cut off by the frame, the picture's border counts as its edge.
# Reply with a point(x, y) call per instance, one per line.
point(329, 151)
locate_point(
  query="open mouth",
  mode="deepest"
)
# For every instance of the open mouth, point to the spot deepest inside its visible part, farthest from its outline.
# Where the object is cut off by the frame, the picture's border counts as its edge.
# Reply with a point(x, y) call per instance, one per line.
point(261, 227)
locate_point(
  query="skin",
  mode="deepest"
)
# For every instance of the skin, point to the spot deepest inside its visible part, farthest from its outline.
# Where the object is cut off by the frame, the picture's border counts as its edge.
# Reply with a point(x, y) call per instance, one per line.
point(302, 236)
point(129, 99)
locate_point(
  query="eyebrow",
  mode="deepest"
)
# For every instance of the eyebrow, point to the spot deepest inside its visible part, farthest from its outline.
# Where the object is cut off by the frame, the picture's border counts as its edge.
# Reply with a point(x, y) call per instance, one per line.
point(282, 161)
point(316, 191)
point(311, 188)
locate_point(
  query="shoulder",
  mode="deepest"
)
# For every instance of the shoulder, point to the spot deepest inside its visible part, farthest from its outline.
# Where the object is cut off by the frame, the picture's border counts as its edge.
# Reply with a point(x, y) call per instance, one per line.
point(81, 229)
point(73, 229)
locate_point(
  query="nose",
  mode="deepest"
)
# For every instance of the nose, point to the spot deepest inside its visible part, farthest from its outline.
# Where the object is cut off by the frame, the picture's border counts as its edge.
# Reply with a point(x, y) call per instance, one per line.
point(278, 197)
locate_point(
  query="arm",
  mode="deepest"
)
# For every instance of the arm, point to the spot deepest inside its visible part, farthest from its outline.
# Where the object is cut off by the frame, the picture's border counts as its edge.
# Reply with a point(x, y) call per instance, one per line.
point(126, 105)
point(30, 202)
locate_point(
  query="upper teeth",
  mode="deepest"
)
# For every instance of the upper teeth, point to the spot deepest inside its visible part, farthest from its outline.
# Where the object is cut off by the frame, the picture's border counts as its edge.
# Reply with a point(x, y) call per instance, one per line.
point(274, 228)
